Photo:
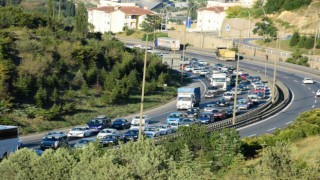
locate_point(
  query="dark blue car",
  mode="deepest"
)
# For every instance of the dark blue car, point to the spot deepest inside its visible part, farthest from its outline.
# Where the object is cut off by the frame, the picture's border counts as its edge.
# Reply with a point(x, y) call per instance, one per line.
point(206, 118)
point(99, 123)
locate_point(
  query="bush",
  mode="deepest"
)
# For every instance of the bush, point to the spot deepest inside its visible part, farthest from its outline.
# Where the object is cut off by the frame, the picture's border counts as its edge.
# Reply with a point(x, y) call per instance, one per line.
point(7, 121)
point(129, 32)
point(309, 42)
point(294, 39)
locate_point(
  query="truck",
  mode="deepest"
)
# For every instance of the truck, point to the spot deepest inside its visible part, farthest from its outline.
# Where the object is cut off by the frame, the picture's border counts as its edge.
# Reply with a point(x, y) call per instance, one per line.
point(225, 54)
point(188, 98)
point(167, 43)
point(174, 61)
point(219, 80)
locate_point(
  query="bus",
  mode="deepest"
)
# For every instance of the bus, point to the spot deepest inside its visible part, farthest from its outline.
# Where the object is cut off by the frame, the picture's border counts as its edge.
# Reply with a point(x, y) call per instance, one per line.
point(9, 140)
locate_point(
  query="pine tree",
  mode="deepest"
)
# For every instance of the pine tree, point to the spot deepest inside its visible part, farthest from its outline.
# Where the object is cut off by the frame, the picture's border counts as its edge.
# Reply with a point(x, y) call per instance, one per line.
point(81, 20)
point(41, 97)
point(84, 88)
point(54, 96)
point(294, 39)
point(309, 42)
point(50, 8)
point(302, 42)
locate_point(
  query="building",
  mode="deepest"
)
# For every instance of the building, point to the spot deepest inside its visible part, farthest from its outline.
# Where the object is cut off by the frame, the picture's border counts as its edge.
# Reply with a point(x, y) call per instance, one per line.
point(148, 4)
point(248, 3)
point(223, 3)
point(210, 18)
point(115, 18)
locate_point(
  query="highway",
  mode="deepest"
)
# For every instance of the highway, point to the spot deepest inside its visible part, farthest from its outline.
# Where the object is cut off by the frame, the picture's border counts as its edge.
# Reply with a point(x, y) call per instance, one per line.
point(303, 99)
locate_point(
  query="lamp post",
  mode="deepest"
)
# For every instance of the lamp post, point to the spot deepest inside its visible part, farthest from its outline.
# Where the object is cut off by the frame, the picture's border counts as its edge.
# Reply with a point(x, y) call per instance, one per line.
point(265, 63)
point(249, 22)
point(142, 91)
point(316, 31)
point(275, 70)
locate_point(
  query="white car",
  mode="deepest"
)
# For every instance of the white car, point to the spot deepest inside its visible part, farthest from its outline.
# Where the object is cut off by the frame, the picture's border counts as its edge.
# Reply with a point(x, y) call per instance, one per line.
point(152, 132)
point(203, 62)
point(239, 91)
point(188, 68)
point(165, 129)
point(228, 96)
point(105, 132)
point(196, 70)
point(307, 81)
point(210, 107)
point(203, 72)
point(136, 120)
point(80, 132)
point(318, 92)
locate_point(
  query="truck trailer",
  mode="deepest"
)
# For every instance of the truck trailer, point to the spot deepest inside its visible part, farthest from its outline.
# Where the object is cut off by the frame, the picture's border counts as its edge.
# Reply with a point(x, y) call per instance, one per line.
point(224, 54)
point(167, 43)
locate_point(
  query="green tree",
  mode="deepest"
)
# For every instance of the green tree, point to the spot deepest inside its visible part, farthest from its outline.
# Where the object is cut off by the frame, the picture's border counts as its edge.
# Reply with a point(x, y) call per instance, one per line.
point(309, 42)
point(84, 88)
point(41, 97)
point(54, 96)
point(274, 5)
point(151, 23)
point(266, 29)
point(50, 8)
point(302, 41)
point(294, 39)
point(81, 20)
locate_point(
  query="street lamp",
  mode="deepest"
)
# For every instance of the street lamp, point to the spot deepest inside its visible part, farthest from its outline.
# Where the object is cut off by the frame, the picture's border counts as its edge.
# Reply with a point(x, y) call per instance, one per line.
point(317, 30)
point(249, 22)
point(142, 91)
point(265, 64)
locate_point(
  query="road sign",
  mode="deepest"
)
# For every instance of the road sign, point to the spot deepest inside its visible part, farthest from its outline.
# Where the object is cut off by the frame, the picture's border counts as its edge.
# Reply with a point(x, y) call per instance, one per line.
point(228, 27)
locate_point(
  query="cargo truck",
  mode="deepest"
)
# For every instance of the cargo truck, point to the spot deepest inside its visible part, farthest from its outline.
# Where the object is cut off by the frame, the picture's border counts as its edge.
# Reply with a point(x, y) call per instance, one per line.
point(167, 43)
point(188, 98)
point(219, 80)
point(225, 54)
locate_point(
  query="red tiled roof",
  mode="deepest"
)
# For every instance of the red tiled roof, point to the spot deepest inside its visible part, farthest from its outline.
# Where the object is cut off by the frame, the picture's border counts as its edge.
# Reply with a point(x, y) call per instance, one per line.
point(128, 10)
point(216, 9)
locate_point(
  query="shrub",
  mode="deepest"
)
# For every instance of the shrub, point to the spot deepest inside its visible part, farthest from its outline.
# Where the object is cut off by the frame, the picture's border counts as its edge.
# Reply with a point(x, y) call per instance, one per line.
point(294, 39)
point(129, 32)
point(309, 42)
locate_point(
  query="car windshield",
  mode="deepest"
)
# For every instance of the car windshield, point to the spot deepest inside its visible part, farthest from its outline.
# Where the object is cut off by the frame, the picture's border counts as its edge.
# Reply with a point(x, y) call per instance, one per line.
point(150, 129)
point(118, 120)
point(132, 132)
point(106, 131)
point(95, 121)
point(204, 116)
point(210, 105)
point(174, 116)
point(78, 129)
point(110, 137)
point(51, 138)
point(215, 111)
point(138, 117)
point(84, 141)
point(187, 120)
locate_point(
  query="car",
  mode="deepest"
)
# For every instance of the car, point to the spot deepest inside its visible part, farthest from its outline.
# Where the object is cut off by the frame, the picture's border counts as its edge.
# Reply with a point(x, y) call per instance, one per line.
point(219, 113)
point(209, 94)
point(105, 132)
point(174, 117)
point(196, 70)
point(152, 132)
point(243, 87)
point(242, 104)
point(136, 120)
point(99, 123)
point(254, 98)
point(318, 93)
point(213, 89)
point(223, 102)
point(174, 126)
point(228, 96)
point(188, 68)
point(203, 62)
point(54, 141)
point(209, 107)
point(218, 65)
point(244, 76)
point(131, 135)
point(113, 139)
point(187, 122)
point(165, 129)
point(238, 91)
point(261, 95)
point(192, 112)
point(84, 142)
point(307, 81)
point(206, 118)
point(80, 132)
point(120, 123)
point(203, 72)
point(237, 109)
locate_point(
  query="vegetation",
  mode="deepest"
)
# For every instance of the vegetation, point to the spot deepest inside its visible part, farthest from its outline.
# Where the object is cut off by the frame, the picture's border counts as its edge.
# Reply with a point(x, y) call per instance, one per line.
point(297, 58)
point(278, 5)
point(195, 154)
point(266, 29)
point(55, 74)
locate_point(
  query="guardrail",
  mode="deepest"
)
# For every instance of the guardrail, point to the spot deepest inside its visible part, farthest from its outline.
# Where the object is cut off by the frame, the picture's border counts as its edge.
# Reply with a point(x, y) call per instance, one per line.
point(283, 97)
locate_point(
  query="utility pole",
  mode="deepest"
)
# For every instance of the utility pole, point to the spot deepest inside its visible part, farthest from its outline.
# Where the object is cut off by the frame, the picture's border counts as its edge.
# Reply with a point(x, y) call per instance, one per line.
point(236, 87)
point(275, 70)
point(142, 92)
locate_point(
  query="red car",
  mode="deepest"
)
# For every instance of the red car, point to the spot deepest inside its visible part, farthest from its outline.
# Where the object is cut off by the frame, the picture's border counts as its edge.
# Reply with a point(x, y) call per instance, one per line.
point(244, 76)
point(219, 113)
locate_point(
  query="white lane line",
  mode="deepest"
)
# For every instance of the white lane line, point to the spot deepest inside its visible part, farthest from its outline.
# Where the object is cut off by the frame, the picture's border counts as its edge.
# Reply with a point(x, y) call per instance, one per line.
point(303, 84)
point(309, 88)
point(162, 113)
point(272, 129)
point(289, 122)
point(253, 124)
point(252, 135)
point(205, 87)
point(295, 81)
point(315, 101)
point(312, 106)
point(313, 92)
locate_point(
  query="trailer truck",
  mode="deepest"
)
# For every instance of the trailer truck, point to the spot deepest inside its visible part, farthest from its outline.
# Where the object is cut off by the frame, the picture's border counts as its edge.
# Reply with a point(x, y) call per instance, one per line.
point(225, 54)
point(188, 98)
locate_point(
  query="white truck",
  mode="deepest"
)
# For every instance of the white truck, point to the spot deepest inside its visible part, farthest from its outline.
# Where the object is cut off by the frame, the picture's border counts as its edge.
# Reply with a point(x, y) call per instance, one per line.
point(188, 98)
point(219, 80)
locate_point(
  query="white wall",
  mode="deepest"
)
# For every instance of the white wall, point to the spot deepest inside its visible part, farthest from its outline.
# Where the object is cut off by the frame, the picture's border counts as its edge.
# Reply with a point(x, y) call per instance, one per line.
point(117, 21)
point(100, 20)
point(248, 3)
point(210, 21)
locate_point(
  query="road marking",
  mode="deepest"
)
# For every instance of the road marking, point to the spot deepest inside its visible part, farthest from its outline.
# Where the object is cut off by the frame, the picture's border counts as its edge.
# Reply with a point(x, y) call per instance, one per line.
point(309, 88)
point(312, 106)
point(252, 135)
point(315, 101)
point(205, 87)
point(289, 122)
point(253, 124)
point(303, 85)
point(313, 92)
point(272, 129)
point(295, 81)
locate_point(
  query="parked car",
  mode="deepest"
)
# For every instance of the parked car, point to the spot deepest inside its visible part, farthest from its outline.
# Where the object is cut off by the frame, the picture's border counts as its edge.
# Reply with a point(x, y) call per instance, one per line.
point(131, 135)
point(307, 81)
point(174, 117)
point(54, 141)
point(99, 123)
point(84, 142)
point(80, 132)
point(192, 112)
point(120, 123)
point(105, 132)
point(113, 139)
point(165, 129)
point(209, 107)
point(223, 102)
point(206, 118)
